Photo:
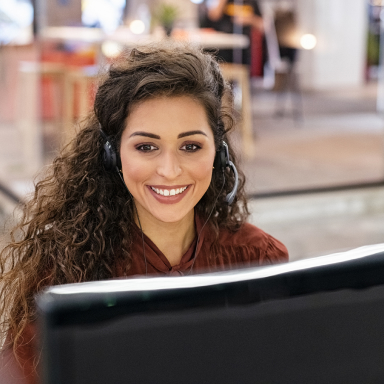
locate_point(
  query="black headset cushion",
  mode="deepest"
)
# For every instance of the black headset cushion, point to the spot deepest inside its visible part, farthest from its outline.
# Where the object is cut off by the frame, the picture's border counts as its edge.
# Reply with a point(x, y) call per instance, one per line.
point(220, 159)
point(109, 157)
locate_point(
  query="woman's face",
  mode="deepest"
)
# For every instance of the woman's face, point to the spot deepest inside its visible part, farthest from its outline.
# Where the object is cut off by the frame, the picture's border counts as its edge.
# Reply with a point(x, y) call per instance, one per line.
point(167, 152)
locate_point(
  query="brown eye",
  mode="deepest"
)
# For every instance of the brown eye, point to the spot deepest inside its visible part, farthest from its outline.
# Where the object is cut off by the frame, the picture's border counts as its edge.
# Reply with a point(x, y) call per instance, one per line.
point(146, 148)
point(190, 147)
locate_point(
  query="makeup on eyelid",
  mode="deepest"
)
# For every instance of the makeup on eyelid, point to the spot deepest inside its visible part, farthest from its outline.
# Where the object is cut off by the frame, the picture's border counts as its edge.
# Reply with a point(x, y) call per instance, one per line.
point(140, 146)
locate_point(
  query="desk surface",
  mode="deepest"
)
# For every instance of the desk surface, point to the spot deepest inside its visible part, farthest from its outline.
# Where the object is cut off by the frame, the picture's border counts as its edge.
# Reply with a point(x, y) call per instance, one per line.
point(204, 38)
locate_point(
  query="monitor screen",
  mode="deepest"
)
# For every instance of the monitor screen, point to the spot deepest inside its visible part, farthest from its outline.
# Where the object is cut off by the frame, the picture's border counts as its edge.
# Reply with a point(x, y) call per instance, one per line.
point(313, 320)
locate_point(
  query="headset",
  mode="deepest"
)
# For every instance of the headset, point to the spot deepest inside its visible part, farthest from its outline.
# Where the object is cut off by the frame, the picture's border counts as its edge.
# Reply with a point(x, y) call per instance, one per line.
point(112, 163)
point(221, 162)
point(111, 159)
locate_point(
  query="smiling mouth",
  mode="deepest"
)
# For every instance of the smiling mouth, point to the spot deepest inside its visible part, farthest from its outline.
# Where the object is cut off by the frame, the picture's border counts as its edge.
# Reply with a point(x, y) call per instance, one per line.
point(169, 192)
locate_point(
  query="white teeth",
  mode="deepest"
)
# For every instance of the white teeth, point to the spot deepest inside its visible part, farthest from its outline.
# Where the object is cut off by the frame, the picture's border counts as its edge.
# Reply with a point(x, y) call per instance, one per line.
point(166, 192)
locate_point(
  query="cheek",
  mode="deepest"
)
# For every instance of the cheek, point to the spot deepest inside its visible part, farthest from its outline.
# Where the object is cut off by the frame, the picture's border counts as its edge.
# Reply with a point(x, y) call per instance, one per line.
point(134, 171)
point(202, 171)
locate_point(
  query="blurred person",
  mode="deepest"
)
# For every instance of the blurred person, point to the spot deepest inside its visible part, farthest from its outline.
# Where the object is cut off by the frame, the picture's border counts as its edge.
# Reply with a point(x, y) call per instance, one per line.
point(286, 32)
point(232, 16)
point(150, 186)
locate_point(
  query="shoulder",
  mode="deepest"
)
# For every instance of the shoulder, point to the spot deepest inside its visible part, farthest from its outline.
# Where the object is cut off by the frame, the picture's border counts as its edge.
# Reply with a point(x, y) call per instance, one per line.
point(255, 243)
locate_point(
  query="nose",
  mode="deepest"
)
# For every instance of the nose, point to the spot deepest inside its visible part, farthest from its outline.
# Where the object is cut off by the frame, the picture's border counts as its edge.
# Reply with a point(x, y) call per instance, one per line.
point(169, 166)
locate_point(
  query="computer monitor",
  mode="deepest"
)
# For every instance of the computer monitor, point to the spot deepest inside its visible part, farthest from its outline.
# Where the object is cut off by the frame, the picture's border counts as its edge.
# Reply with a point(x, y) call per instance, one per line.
point(310, 321)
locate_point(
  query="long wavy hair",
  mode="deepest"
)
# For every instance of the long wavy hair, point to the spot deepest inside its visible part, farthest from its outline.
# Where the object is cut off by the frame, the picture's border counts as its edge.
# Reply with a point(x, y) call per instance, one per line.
point(77, 226)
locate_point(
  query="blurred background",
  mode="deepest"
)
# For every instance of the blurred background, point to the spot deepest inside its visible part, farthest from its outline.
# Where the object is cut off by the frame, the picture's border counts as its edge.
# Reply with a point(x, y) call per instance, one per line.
point(308, 81)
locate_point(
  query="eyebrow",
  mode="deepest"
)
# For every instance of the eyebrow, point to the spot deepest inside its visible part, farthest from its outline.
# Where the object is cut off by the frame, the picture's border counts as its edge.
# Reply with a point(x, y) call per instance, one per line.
point(153, 136)
point(190, 133)
point(146, 134)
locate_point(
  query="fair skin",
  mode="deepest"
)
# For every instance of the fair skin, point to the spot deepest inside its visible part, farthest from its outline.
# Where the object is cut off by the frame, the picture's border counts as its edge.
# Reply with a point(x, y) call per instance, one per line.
point(167, 152)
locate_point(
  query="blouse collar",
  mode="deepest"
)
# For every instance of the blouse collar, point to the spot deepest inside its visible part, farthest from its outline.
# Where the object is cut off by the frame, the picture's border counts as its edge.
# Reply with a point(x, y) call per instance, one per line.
point(160, 263)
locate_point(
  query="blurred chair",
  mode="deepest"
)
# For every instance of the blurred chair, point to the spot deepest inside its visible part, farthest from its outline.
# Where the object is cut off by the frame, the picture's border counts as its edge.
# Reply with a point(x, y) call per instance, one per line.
point(240, 74)
point(29, 107)
point(77, 97)
point(279, 32)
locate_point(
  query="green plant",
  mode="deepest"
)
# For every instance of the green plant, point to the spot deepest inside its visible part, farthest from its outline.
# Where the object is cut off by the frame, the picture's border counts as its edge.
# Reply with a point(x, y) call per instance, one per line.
point(166, 14)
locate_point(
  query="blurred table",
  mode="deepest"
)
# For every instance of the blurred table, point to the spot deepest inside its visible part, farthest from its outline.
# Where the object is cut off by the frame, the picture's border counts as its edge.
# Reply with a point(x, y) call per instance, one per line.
point(207, 39)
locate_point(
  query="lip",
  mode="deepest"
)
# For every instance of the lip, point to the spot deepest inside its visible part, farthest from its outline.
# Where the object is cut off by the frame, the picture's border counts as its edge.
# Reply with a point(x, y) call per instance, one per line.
point(168, 199)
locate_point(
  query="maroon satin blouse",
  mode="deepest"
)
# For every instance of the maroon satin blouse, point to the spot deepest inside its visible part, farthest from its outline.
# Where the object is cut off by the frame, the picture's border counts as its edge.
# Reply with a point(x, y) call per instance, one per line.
point(245, 247)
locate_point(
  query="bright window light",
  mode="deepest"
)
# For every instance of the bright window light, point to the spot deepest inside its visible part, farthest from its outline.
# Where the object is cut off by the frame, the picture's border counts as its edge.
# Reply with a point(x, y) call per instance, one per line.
point(308, 41)
point(111, 49)
point(16, 18)
point(105, 14)
point(197, 1)
point(137, 27)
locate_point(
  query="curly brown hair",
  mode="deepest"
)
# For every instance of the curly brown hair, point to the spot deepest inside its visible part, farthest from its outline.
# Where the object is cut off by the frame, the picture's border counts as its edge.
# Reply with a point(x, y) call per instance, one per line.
point(77, 226)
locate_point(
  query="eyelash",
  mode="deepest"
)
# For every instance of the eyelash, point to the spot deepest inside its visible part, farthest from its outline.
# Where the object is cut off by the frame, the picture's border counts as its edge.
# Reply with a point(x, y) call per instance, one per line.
point(196, 147)
point(141, 148)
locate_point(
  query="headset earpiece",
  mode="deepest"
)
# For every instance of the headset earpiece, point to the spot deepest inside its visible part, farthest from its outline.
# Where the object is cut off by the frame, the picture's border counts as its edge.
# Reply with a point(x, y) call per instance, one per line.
point(222, 157)
point(111, 159)
point(221, 162)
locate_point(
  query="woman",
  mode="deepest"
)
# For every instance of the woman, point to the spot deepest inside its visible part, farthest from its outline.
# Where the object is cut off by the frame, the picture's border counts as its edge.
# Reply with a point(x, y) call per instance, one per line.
point(143, 189)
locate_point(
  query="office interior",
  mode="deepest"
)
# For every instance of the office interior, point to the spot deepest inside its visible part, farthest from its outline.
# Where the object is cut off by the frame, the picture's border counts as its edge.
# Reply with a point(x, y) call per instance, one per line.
point(310, 130)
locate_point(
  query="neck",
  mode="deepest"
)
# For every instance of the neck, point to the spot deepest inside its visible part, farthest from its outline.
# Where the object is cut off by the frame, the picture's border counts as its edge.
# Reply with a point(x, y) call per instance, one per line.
point(172, 238)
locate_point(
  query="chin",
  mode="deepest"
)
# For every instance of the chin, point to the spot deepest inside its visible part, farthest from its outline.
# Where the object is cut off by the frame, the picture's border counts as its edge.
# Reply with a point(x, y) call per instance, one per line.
point(171, 217)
